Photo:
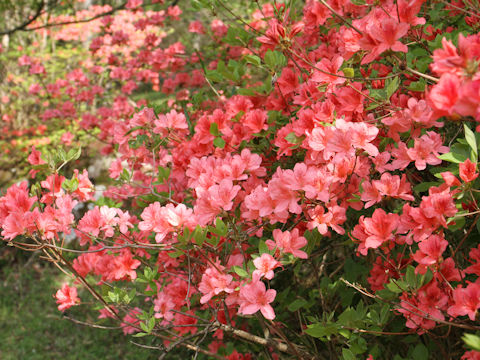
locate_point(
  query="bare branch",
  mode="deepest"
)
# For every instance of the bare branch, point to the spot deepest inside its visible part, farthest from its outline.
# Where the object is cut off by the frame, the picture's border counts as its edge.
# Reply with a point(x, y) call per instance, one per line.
point(23, 26)
point(48, 25)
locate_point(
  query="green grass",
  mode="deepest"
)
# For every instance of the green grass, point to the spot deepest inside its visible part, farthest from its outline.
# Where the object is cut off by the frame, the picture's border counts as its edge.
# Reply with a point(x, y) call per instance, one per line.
point(32, 328)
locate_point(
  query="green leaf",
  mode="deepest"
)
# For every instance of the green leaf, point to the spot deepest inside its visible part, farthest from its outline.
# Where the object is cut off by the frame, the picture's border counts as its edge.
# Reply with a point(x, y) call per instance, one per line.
point(144, 327)
point(214, 129)
point(70, 185)
point(378, 94)
point(459, 223)
point(391, 86)
point(140, 334)
point(426, 278)
point(472, 341)
point(219, 142)
point(420, 352)
point(240, 271)
point(163, 174)
point(269, 59)
point(151, 324)
point(417, 86)
point(319, 330)
point(424, 186)
point(297, 304)
point(74, 154)
point(458, 154)
point(253, 59)
point(220, 227)
point(294, 139)
point(175, 254)
point(410, 277)
point(213, 75)
point(472, 142)
point(274, 59)
point(263, 248)
point(246, 92)
point(397, 287)
point(213, 240)
point(139, 141)
point(347, 354)
point(61, 154)
point(199, 235)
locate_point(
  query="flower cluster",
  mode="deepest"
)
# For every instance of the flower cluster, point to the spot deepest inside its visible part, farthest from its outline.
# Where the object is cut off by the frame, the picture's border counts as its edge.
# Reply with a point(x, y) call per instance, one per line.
point(309, 173)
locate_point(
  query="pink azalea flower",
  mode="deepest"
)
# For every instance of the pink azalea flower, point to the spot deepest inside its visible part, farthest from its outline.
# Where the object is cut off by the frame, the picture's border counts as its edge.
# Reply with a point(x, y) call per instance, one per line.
point(288, 242)
point(265, 265)
point(66, 297)
point(254, 297)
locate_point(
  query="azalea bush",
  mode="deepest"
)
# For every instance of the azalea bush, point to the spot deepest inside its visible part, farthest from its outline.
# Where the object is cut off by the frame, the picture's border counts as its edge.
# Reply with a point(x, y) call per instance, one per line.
point(277, 180)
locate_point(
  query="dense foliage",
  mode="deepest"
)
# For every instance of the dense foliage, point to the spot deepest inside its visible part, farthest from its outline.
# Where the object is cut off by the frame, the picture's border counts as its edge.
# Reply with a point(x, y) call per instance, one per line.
point(253, 179)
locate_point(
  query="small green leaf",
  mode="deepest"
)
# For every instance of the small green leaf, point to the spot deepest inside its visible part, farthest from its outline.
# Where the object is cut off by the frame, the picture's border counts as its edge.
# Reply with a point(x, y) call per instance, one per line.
point(472, 142)
point(319, 330)
point(74, 154)
point(472, 341)
point(175, 254)
point(70, 185)
point(410, 277)
point(219, 142)
point(140, 334)
point(274, 59)
point(213, 240)
point(214, 129)
point(220, 227)
point(294, 139)
point(151, 324)
point(213, 75)
point(396, 287)
point(61, 154)
point(426, 278)
point(263, 248)
point(418, 86)
point(458, 225)
point(163, 174)
point(253, 59)
point(297, 304)
point(391, 86)
point(420, 352)
point(199, 235)
point(457, 155)
point(424, 186)
point(347, 354)
point(240, 271)
point(144, 327)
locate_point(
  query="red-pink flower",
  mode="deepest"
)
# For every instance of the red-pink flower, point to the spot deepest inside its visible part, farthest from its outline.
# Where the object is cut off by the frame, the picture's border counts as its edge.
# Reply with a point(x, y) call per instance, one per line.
point(66, 297)
point(466, 301)
point(130, 321)
point(426, 150)
point(124, 266)
point(214, 282)
point(430, 251)
point(373, 232)
point(288, 242)
point(381, 35)
point(254, 297)
point(265, 265)
point(444, 95)
point(35, 157)
point(468, 171)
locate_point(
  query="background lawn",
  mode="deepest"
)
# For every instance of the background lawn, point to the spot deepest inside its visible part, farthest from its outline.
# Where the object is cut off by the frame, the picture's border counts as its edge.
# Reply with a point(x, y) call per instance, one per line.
point(31, 326)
